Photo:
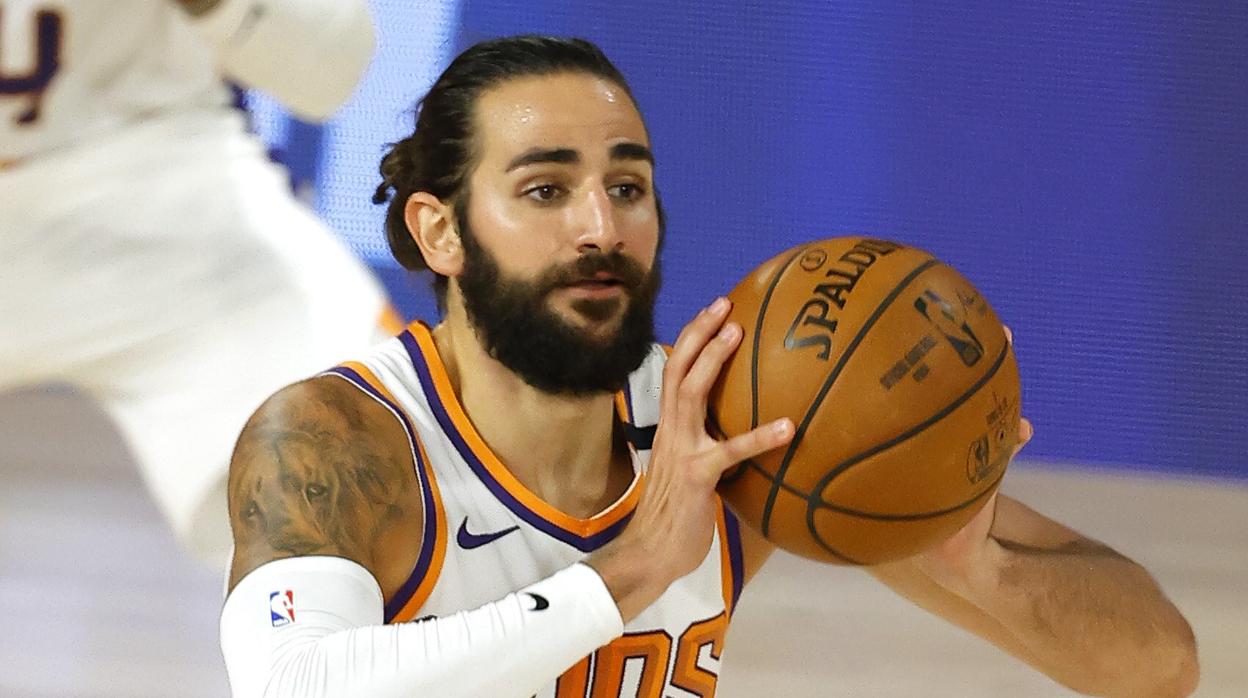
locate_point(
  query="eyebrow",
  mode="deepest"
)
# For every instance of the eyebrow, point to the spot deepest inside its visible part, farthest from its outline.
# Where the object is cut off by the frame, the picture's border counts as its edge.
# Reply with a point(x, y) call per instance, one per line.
point(568, 156)
point(534, 156)
point(632, 151)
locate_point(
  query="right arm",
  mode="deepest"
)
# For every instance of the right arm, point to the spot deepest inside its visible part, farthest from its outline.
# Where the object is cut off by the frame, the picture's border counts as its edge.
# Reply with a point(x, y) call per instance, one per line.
point(313, 543)
point(320, 480)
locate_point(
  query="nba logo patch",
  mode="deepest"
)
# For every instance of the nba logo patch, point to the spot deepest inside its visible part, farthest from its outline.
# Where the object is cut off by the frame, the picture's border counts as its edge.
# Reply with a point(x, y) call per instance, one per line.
point(282, 607)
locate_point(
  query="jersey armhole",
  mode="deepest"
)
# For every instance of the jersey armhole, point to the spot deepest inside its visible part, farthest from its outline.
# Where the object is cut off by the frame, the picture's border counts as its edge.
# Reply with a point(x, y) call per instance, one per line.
point(415, 591)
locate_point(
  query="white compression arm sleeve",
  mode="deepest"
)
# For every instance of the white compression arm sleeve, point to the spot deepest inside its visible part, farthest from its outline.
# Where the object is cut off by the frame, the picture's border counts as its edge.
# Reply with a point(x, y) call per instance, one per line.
point(308, 54)
point(312, 627)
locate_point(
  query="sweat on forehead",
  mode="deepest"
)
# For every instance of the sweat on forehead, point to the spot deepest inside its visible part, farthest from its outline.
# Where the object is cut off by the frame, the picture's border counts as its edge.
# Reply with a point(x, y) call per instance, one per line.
point(585, 114)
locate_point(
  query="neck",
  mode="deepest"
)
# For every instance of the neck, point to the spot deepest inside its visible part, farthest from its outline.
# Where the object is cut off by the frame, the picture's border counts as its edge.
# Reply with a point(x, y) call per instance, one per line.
point(562, 448)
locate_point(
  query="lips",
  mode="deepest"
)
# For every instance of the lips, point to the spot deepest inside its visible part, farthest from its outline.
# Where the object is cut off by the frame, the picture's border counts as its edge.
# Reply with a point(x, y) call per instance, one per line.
point(597, 283)
point(598, 273)
point(599, 280)
point(598, 289)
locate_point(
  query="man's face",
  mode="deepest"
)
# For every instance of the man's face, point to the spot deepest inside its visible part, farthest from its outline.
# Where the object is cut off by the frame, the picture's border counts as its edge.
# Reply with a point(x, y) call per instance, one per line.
point(560, 232)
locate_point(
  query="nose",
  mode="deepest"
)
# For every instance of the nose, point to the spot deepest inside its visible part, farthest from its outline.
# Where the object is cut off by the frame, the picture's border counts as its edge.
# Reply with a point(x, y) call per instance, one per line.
point(595, 223)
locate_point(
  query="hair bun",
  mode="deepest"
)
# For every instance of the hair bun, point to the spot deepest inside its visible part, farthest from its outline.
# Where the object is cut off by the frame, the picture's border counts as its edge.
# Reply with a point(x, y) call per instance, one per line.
point(395, 168)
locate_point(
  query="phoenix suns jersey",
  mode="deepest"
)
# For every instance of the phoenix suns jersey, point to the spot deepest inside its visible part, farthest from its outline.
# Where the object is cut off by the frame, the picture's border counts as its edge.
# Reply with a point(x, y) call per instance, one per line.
point(486, 535)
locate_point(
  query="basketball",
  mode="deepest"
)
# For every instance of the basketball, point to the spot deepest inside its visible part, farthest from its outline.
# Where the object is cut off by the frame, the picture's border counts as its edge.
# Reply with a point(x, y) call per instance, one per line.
point(902, 385)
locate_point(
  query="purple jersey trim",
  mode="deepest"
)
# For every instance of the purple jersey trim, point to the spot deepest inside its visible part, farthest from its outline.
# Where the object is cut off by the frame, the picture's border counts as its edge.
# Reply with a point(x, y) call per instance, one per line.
point(583, 543)
point(429, 540)
point(628, 404)
point(736, 558)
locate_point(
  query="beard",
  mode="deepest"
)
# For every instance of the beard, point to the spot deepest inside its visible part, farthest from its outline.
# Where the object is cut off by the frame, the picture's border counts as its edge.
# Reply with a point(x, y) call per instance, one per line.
point(519, 329)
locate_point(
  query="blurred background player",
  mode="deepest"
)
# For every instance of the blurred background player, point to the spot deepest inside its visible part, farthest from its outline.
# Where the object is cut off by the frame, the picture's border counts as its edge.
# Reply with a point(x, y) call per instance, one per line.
point(151, 255)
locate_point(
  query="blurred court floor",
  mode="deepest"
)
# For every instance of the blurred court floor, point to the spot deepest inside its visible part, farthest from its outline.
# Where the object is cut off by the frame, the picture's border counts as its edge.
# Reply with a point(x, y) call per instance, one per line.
point(96, 599)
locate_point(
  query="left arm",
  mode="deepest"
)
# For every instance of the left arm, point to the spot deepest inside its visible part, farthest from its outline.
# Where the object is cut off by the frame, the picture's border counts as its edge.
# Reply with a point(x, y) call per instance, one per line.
point(308, 54)
point(1068, 605)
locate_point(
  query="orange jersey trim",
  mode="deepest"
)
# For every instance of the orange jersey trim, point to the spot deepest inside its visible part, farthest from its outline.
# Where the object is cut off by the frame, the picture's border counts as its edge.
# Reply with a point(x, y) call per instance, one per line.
point(429, 578)
point(479, 451)
point(419, 585)
point(390, 321)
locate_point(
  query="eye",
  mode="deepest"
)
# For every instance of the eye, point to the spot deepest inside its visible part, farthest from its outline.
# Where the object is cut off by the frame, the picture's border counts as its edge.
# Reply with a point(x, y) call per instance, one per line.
point(543, 193)
point(251, 511)
point(252, 515)
point(627, 191)
point(313, 491)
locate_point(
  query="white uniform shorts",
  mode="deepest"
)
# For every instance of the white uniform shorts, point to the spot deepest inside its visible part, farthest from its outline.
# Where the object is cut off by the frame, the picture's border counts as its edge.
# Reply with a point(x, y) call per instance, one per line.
point(169, 273)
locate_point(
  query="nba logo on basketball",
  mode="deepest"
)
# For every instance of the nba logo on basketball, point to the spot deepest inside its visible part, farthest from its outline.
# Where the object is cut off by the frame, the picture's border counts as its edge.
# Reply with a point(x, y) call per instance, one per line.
point(282, 607)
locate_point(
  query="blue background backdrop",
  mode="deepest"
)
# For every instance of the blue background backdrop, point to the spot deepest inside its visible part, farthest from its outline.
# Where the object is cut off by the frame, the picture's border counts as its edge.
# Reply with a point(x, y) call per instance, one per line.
point(1084, 163)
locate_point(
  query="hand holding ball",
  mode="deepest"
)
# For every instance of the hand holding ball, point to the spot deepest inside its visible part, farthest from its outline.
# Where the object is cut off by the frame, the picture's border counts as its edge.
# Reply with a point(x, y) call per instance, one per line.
point(903, 387)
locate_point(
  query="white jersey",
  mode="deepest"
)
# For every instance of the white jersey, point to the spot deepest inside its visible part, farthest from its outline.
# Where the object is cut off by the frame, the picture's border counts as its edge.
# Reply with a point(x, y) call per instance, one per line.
point(486, 535)
point(152, 255)
point(71, 70)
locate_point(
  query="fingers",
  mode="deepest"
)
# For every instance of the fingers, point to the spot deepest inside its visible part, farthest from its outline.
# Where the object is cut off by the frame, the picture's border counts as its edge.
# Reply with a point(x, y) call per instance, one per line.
point(695, 389)
point(691, 370)
point(1025, 432)
point(688, 347)
point(751, 444)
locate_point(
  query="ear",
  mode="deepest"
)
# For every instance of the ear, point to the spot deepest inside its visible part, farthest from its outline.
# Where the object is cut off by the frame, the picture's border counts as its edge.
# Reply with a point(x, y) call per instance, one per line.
point(431, 223)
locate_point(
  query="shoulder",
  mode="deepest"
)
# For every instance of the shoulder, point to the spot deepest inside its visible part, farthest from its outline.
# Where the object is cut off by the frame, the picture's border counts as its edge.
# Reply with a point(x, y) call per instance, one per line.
point(322, 413)
point(320, 469)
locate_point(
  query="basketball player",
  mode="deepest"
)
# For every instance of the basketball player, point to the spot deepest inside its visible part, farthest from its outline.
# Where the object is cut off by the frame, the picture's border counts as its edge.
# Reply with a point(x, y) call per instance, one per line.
point(150, 253)
point(463, 511)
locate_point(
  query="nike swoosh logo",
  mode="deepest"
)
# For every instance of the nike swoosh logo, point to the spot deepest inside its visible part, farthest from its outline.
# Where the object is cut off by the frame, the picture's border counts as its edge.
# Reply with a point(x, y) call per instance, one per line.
point(468, 541)
point(539, 602)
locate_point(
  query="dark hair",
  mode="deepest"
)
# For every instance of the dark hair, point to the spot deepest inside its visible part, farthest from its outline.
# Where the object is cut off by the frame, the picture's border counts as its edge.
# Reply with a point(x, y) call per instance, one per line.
point(439, 154)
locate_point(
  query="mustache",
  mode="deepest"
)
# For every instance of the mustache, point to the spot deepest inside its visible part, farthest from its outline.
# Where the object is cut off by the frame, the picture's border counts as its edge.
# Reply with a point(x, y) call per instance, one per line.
point(627, 271)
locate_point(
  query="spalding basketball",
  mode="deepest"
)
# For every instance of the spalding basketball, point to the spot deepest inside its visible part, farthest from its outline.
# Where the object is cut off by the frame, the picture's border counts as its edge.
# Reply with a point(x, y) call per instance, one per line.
point(902, 385)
